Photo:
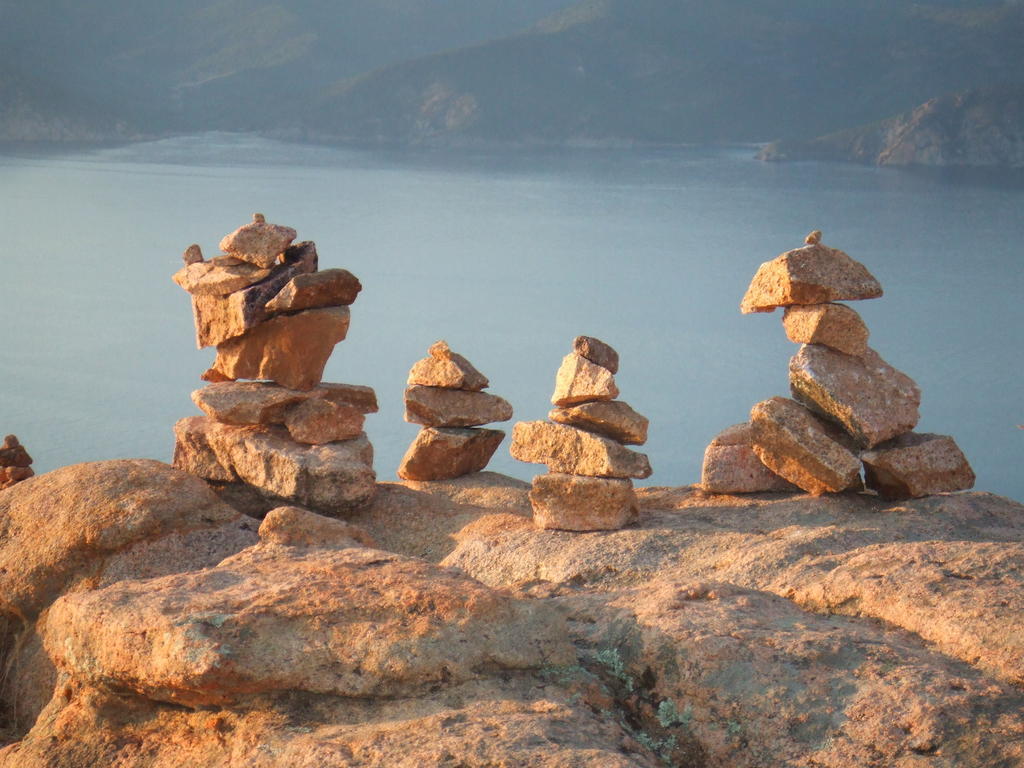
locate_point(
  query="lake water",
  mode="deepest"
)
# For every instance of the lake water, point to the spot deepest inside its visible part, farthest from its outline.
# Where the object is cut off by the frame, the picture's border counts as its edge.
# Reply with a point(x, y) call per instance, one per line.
point(508, 257)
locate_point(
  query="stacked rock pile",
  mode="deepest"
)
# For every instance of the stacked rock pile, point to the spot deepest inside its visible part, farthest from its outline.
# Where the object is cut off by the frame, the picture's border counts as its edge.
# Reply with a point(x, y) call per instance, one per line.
point(444, 395)
point(15, 463)
point(274, 317)
point(588, 487)
point(850, 409)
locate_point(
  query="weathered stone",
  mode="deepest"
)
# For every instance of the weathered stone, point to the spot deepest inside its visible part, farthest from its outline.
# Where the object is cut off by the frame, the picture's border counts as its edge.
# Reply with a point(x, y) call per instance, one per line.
point(914, 465)
point(331, 477)
point(360, 397)
point(794, 443)
point(443, 453)
point(444, 368)
point(247, 402)
point(440, 407)
point(872, 400)
point(11, 475)
point(813, 274)
point(289, 349)
point(580, 381)
point(13, 453)
point(329, 288)
point(218, 318)
point(354, 622)
point(316, 421)
point(297, 527)
point(596, 351)
point(834, 325)
point(575, 451)
point(205, 278)
point(731, 466)
point(573, 503)
point(192, 255)
point(259, 243)
point(611, 418)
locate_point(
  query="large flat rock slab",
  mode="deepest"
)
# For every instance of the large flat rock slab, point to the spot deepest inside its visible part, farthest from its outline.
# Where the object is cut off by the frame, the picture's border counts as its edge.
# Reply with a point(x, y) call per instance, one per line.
point(575, 451)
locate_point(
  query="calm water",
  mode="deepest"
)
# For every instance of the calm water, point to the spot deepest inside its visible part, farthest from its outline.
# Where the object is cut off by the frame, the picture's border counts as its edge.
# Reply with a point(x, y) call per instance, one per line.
point(508, 257)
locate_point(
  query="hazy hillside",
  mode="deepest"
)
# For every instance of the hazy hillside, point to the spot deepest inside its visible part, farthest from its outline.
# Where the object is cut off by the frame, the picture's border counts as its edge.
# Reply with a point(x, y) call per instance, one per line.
point(685, 71)
point(983, 127)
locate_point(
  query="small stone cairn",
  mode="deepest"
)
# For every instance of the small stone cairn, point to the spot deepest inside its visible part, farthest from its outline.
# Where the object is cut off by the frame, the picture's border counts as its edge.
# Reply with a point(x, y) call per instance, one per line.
point(15, 463)
point(850, 409)
point(588, 487)
point(274, 317)
point(444, 395)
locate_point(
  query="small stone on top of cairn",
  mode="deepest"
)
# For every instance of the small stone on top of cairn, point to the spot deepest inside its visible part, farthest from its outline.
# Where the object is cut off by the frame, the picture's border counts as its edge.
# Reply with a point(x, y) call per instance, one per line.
point(850, 410)
point(588, 487)
point(15, 463)
point(444, 396)
point(274, 317)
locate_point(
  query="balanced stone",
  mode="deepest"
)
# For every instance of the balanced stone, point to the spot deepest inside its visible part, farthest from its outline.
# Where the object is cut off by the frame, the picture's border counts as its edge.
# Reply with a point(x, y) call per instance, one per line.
point(796, 444)
point(289, 349)
point(440, 407)
point(596, 351)
point(13, 453)
point(11, 475)
point(298, 527)
point(575, 451)
point(579, 381)
point(443, 453)
point(205, 278)
point(334, 476)
point(813, 274)
point(320, 421)
point(444, 368)
point(914, 465)
point(833, 325)
point(329, 288)
point(572, 503)
point(192, 255)
point(219, 318)
point(731, 466)
point(256, 402)
point(258, 242)
point(611, 418)
point(872, 400)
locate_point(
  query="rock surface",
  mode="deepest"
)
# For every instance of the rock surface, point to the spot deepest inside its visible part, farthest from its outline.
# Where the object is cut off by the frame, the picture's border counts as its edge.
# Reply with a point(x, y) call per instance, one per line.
point(573, 451)
point(611, 418)
point(335, 476)
point(444, 368)
point(439, 407)
point(798, 446)
point(258, 242)
point(297, 527)
point(443, 453)
point(327, 288)
point(833, 325)
point(316, 422)
point(873, 401)
point(813, 274)
point(204, 278)
point(596, 351)
point(579, 380)
point(573, 503)
point(731, 466)
point(289, 349)
point(256, 402)
point(914, 465)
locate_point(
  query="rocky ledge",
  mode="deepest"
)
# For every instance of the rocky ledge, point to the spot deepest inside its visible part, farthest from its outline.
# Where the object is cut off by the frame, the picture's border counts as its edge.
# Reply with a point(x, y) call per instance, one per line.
point(145, 622)
point(983, 127)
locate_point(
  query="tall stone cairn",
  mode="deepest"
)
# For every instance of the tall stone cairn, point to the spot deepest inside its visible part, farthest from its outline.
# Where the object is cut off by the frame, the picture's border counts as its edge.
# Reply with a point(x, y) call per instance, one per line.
point(589, 486)
point(15, 463)
point(275, 318)
point(850, 410)
point(444, 395)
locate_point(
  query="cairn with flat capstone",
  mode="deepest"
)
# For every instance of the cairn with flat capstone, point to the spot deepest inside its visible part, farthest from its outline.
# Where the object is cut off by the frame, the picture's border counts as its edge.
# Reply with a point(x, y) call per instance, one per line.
point(851, 410)
point(275, 319)
point(588, 486)
point(15, 463)
point(444, 395)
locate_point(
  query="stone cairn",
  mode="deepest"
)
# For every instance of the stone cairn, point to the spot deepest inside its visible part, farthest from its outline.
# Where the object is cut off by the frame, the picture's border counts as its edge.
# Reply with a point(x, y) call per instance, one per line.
point(274, 317)
point(444, 395)
point(588, 487)
point(850, 409)
point(15, 463)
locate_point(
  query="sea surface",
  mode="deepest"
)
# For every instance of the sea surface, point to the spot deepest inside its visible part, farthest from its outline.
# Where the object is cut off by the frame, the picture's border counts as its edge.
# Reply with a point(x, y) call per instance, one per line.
point(507, 256)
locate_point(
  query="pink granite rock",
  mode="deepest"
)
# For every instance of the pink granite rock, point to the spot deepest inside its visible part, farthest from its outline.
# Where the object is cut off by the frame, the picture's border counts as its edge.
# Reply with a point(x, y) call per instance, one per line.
point(914, 465)
point(731, 466)
point(611, 418)
point(573, 503)
point(445, 368)
point(596, 351)
point(259, 243)
point(580, 381)
point(443, 453)
point(316, 421)
point(833, 325)
point(575, 452)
